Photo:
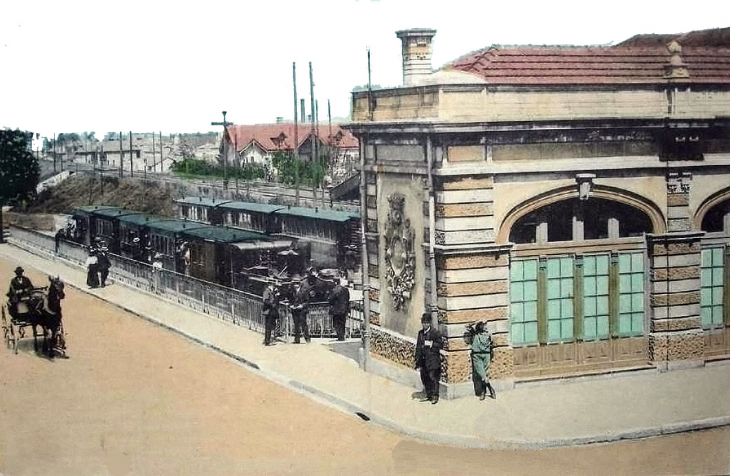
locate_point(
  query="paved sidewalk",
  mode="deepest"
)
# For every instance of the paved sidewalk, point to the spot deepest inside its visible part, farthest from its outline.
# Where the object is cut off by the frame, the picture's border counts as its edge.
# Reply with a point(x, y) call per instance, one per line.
point(532, 416)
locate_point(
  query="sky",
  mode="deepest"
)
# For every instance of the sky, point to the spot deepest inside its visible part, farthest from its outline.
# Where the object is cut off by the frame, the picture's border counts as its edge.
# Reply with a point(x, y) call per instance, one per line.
point(174, 66)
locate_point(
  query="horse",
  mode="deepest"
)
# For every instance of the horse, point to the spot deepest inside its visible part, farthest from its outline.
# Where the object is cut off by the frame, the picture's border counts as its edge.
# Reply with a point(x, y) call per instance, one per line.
point(44, 310)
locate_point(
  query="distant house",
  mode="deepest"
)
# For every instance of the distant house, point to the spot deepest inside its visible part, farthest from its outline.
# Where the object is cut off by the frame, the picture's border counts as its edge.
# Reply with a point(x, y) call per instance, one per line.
point(256, 144)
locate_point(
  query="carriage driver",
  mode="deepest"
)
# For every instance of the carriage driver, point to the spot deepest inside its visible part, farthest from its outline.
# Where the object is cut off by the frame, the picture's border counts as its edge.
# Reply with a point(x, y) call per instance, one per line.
point(20, 287)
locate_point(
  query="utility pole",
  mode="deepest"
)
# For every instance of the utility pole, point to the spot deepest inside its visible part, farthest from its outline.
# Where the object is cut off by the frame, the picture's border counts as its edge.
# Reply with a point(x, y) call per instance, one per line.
point(121, 156)
point(161, 169)
point(154, 162)
point(131, 157)
point(296, 137)
point(225, 155)
point(54, 152)
point(314, 136)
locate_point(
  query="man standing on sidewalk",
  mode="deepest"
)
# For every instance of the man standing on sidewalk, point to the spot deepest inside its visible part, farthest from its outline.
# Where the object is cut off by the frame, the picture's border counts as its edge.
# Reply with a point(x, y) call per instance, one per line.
point(270, 311)
point(428, 358)
point(339, 299)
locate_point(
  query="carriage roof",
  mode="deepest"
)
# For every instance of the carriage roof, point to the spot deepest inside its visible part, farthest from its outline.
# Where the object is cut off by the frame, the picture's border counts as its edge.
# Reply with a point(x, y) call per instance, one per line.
point(89, 209)
point(224, 234)
point(113, 212)
point(316, 213)
point(252, 207)
point(205, 201)
point(140, 219)
point(175, 225)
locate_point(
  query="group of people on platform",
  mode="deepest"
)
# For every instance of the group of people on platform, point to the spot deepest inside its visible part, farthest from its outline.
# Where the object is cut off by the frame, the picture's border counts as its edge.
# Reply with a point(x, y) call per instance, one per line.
point(428, 358)
point(298, 302)
point(97, 264)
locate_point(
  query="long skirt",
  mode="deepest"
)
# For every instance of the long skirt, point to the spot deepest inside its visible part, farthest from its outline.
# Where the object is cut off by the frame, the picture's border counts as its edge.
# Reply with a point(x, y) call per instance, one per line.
point(92, 276)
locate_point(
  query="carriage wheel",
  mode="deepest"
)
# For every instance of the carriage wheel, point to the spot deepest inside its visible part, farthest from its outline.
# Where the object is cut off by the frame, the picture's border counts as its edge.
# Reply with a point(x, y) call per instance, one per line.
point(13, 339)
point(4, 325)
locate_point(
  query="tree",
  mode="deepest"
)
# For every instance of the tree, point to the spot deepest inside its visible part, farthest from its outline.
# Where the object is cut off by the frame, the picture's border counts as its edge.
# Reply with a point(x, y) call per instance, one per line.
point(19, 169)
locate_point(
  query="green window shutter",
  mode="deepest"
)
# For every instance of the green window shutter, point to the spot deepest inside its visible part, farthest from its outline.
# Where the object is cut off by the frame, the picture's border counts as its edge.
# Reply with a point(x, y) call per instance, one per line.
point(630, 316)
point(559, 277)
point(523, 302)
point(712, 290)
point(596, 297)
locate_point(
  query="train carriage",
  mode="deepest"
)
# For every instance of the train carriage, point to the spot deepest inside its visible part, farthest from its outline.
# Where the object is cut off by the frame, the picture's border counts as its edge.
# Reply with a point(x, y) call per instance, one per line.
point(223, 254)
point(133, 234)
point(106, 226)
point(330, 233)
point(167, 238)
point(201, 209)
point(260, 217)
point(85, 222)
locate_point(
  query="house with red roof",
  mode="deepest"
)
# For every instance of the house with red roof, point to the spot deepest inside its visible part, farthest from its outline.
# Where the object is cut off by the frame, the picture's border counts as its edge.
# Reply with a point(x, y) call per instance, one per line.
point(257, 143)
point(576, 199)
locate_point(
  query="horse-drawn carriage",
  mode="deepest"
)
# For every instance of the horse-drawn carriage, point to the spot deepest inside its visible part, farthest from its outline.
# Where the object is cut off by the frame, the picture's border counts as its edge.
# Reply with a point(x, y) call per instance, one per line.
point(36, 307)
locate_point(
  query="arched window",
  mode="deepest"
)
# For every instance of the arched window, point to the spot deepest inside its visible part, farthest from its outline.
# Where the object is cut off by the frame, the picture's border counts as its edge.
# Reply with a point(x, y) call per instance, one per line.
point(578, 220)
point(717, 219)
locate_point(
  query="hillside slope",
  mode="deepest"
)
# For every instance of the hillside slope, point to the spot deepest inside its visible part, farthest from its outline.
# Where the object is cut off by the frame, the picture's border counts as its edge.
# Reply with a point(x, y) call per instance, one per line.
point(132, 193)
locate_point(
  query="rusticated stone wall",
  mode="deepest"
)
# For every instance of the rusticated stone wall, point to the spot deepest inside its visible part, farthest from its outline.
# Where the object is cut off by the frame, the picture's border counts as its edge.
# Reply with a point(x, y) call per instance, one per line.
point(675, 328)
point(392, 347)
point(673, 346)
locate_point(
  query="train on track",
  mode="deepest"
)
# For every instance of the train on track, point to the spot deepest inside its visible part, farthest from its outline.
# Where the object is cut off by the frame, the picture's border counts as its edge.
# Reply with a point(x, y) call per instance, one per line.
point(235, 244)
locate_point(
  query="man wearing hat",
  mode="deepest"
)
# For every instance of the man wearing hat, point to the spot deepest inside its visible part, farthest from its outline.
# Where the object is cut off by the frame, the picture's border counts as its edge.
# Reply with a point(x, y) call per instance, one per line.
point(20, 287)
point(428, 358)
point(270, 310)
point(103, 264)
point(339, 300)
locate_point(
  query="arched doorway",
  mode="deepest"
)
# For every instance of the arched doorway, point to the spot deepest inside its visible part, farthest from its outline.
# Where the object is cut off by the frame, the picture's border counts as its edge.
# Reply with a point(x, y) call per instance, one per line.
point(578, 286)
point(714, 219)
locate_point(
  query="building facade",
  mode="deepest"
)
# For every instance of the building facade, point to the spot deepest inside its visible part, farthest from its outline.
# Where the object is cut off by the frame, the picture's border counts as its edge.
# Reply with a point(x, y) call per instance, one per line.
point(575, 198)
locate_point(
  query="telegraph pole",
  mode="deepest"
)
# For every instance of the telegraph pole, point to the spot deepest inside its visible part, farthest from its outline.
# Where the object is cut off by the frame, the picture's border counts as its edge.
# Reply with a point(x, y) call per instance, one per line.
point(154, 161)
point(225, 156)
point(131, 157)
point(161, 170)
point(54, 152)
point(121, 155)
point(296, 137)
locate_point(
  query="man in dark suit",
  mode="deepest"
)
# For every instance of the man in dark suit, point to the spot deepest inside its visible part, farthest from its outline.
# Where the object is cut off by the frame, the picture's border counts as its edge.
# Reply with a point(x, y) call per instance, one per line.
point(428, 358)
point(339, 300)
point(20, 288)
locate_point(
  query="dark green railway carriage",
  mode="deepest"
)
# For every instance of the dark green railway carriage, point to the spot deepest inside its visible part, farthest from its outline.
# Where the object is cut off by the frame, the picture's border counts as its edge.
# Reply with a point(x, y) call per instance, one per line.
point(85, 221)
point(222, 254)
point(201, 209)
point(330, 233)
point(106, 226)
point(168, 238)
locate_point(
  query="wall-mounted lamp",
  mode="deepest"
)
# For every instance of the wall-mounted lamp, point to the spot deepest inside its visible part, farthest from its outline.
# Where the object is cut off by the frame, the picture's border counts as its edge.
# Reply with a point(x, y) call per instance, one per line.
point(585, 185)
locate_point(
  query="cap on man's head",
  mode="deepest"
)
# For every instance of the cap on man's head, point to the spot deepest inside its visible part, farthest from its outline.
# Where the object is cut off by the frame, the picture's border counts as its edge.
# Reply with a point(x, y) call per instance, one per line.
point(426, 317)
point(136, 240)
point(19, 270)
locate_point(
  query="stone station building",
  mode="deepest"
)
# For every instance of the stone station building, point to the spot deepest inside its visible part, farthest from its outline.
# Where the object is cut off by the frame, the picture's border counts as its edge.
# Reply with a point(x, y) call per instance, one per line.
point(576, 198)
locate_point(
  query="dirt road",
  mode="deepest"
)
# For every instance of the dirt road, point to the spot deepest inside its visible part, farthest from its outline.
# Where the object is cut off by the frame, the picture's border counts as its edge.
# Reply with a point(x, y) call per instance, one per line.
point(136, 399)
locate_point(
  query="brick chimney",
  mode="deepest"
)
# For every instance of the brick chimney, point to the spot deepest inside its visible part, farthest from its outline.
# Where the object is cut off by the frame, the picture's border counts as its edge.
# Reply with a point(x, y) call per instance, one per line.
point(416, 54)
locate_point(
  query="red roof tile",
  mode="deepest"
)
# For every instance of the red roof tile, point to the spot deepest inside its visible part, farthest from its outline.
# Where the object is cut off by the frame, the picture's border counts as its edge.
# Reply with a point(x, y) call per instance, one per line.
point(280, 136)
point(591, 65)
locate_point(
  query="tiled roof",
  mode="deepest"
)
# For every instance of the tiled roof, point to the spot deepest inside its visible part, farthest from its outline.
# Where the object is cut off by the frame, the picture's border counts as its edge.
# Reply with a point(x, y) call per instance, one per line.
point(620, 64)
point(280, 136)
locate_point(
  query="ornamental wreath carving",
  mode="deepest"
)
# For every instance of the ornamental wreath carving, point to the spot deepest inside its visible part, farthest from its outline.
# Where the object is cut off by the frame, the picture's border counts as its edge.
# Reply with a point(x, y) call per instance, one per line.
point(400, 259)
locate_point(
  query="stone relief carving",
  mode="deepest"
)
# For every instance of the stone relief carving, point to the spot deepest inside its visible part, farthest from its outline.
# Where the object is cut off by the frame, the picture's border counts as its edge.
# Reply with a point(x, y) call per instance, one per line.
point(399, 254)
